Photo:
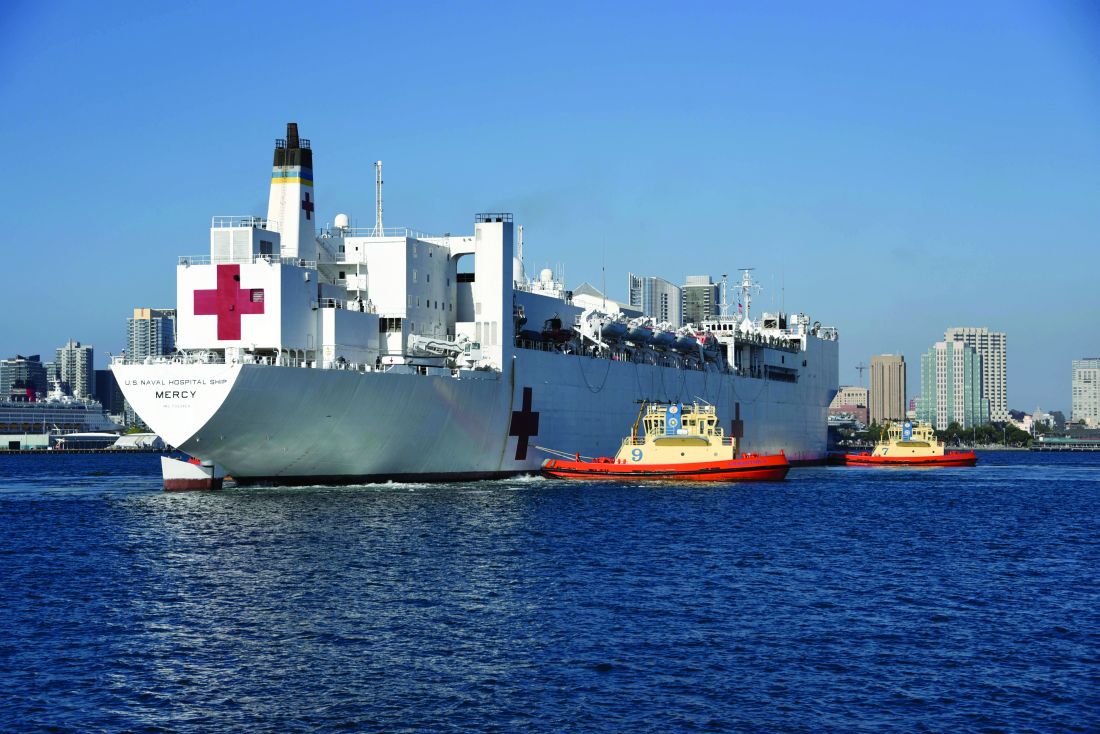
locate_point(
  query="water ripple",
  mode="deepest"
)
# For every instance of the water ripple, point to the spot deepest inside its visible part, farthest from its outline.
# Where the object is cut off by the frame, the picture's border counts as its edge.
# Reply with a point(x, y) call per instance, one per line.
point(840, 600)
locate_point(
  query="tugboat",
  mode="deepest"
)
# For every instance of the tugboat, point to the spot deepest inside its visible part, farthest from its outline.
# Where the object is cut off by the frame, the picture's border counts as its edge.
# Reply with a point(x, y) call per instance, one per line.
point(679, 443)
point(909, 444)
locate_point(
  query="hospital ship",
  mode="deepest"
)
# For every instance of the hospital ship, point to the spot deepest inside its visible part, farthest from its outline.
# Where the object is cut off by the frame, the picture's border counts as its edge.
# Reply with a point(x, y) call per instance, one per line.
point(311, 354)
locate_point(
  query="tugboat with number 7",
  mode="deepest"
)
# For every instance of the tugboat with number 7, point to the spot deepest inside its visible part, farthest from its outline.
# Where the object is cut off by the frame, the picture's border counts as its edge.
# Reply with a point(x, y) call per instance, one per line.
point(909, 444)
point(679, 443)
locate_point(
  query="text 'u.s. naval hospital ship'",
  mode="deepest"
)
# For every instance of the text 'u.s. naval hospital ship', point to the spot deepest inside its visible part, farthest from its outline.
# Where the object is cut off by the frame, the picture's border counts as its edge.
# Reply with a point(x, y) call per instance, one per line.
point(344, 356)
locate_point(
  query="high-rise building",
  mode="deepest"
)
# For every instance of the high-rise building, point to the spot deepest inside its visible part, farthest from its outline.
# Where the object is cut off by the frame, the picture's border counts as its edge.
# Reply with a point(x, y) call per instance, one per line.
point(24, 376)
point(1086, 391)
point(150, 333)
point(991, 346)
point(75, 369)
point(951, 386)
point(658, 298)
point(699, 296)
point(887, 394)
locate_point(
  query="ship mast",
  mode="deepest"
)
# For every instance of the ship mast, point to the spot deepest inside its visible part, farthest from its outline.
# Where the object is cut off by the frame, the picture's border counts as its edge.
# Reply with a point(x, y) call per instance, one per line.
point(378, 231)
point(748, 286)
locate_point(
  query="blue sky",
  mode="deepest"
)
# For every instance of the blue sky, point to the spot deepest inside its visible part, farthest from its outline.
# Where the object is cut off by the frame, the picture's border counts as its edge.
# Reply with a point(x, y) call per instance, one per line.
point(893, 169)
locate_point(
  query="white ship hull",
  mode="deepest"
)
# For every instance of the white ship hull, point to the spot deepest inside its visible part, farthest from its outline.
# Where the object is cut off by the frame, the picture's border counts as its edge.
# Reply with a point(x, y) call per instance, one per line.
point(414, 367)
point(296, 425)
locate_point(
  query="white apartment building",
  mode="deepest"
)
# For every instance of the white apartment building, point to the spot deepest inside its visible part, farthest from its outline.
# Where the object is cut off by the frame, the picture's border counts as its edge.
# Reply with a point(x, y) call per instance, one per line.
point(150, 333)
point(992, 347)
point(1086, 391)
point(75, 369)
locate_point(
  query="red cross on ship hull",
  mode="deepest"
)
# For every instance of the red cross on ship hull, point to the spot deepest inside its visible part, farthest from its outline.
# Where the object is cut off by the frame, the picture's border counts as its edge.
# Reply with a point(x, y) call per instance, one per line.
point(229, 302)
point(524, 425)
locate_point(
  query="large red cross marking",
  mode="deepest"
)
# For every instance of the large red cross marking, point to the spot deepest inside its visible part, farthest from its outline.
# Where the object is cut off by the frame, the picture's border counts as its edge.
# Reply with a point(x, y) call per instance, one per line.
point(525, 423)
point(228, 302)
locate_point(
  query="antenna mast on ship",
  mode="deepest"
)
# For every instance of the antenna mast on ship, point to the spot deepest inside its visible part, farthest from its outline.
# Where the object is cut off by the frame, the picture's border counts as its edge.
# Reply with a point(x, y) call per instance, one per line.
point(723, 305)
point(378, 231)
point(747, 288)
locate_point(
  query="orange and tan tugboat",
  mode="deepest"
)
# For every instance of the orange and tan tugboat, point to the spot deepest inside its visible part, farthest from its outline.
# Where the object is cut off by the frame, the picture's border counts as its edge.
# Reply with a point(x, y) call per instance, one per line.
point(909, 444)
point(679, 443)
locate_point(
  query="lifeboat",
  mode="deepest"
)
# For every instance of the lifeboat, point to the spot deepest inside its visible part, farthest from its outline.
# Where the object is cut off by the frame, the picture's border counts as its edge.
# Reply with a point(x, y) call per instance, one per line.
point(664, 338)
point(614, 330)
point(909, 444)
point(683, 443)
point(554, 331)
point(686, 343)
point(639, 333)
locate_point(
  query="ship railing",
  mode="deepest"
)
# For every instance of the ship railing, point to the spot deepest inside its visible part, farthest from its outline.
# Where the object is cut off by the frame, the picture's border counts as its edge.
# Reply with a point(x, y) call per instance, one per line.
point(188, 260)
point(640, 440)
point(347, 305)
point(234, 222)
point(785, 343)
point(539, 346)
point(374, 232)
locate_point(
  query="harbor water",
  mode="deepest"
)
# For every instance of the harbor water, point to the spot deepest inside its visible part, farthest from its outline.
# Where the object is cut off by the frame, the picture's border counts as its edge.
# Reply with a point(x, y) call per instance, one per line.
point(843, 599)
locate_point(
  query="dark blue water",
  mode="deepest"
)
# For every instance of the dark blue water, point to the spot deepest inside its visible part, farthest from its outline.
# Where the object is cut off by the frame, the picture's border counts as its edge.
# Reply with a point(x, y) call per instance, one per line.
point(841, 600)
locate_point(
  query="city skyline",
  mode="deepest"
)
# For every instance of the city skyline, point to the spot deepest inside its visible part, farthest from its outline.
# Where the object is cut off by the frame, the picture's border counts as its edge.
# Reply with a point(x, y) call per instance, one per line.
point(891, 199)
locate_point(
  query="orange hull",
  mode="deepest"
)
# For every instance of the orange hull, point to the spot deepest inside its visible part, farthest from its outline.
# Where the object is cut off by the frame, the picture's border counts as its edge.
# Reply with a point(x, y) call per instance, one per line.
point(749, 468)
point(955, 458)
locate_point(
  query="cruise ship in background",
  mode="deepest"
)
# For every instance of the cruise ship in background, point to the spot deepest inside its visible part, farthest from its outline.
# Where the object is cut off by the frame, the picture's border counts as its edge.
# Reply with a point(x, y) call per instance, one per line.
point(23, 414)
point(313, 355)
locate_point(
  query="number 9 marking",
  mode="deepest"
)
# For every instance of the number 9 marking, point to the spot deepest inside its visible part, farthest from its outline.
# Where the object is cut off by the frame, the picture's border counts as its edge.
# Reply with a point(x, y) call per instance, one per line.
point(636, 455)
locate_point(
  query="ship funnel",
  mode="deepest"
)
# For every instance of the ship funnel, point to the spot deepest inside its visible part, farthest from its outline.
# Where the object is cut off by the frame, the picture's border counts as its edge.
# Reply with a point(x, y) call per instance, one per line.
point(292, 203)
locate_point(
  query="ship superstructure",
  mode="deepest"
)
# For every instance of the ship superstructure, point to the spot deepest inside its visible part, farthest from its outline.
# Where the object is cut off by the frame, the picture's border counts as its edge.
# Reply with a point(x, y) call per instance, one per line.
point(345, 354)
